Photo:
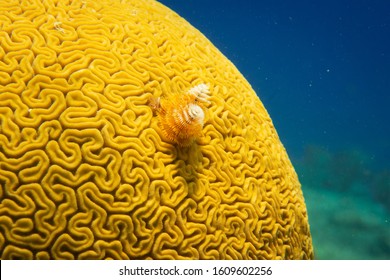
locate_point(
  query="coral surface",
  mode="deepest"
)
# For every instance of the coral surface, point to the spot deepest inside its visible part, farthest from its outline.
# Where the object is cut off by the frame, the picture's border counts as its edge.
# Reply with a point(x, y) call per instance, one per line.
point(85, 171)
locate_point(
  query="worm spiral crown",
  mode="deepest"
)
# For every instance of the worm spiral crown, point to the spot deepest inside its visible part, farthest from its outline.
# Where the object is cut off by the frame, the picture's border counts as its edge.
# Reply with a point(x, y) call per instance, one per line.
point(181, 116)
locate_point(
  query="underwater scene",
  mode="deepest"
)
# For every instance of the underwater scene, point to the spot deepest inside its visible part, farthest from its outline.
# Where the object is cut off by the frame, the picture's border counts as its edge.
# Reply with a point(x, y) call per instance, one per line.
point(321, 69)
point(134, 129)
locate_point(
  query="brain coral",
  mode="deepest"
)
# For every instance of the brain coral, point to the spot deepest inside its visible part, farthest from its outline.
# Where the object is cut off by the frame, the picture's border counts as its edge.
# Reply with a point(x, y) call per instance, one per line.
point(86, 172)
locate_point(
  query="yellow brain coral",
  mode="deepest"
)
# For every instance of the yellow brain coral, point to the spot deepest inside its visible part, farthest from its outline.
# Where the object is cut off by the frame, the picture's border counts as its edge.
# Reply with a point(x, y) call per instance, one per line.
point(85, 171)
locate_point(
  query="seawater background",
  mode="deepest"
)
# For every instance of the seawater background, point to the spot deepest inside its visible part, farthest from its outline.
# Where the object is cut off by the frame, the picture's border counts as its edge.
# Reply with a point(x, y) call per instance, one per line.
point(322, 70)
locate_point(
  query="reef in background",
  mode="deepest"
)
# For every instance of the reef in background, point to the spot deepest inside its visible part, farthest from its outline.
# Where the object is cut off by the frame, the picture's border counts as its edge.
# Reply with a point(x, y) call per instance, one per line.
point(348, 203)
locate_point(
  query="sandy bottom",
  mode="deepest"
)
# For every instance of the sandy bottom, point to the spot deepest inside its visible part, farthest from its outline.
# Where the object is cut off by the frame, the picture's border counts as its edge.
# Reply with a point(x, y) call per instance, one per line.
point(346, 226)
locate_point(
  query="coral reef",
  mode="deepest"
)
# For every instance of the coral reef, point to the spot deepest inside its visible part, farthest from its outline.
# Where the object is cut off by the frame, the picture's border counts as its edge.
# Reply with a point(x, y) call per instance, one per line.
point(363, 229)
point(348, 170)
point(85, 171)
point(346, 191)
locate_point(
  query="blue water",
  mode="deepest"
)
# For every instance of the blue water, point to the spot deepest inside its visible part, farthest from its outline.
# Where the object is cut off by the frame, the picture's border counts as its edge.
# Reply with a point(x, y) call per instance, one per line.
point(322, 70)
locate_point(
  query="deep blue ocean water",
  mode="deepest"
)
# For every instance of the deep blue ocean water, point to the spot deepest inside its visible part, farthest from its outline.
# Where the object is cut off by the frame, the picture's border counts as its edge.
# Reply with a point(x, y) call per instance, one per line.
point(322, 70)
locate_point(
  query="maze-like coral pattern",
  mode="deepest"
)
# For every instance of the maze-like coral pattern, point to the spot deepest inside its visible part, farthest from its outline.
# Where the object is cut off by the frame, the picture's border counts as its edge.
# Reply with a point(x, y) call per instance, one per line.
point(85, 172)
